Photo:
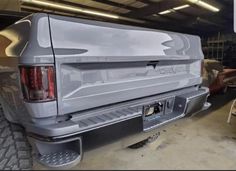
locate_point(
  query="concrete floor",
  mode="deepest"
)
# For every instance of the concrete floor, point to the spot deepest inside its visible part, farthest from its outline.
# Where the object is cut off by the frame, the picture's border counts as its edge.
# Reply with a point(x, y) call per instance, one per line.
point(204, 141)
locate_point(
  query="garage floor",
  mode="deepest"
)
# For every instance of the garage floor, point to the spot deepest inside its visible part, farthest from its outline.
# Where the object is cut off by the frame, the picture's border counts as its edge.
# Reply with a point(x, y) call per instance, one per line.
point(204, 141)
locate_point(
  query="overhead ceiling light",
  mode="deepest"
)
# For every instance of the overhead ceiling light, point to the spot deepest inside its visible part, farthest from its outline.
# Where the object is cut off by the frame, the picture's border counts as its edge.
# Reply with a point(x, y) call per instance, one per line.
point(174, 9)
point(165, 12)
point(181, 7)
point(205, 5)
point(70, 8)
point(100, 14)
point(208, 6)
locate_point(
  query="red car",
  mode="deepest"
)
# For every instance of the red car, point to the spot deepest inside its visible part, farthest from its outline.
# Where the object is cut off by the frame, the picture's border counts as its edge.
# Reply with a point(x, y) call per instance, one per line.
point(216, 77)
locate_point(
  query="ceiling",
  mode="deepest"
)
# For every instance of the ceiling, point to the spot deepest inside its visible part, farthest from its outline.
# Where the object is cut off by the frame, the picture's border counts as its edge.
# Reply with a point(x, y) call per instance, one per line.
point(193, 19)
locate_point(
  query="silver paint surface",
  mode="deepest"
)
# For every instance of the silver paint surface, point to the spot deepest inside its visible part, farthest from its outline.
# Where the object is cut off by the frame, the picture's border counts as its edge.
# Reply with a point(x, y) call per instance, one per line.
point(96, 63)
point(100, 63)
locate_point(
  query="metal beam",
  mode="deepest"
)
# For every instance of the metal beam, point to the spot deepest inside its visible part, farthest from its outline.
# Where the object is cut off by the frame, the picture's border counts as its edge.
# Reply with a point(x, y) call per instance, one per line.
point(168, 25)
point(147, 22)
point(224, 13)
point(80, 5)
point(115, 4)
point(154, 7)
point(13, 5)
point(155, 25)
point(220, 21)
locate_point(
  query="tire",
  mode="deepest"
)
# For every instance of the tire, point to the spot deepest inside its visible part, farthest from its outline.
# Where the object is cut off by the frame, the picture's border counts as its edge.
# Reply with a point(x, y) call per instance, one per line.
point(15, 150)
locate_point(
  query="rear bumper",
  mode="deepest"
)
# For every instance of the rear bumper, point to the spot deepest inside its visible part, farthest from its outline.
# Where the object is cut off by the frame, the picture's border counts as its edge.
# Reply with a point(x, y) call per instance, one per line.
point(186, 103)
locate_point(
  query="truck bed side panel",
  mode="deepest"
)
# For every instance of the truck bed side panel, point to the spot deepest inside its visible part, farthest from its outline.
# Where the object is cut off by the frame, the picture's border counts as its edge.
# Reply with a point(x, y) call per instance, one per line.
point(26, 42)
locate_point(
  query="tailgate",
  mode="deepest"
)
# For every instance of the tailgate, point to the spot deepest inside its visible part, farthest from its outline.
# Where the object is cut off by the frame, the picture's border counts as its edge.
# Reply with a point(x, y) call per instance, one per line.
point(101, 63)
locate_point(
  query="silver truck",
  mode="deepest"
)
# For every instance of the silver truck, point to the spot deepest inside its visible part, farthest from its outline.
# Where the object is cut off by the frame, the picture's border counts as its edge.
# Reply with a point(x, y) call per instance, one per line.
point(61, 77)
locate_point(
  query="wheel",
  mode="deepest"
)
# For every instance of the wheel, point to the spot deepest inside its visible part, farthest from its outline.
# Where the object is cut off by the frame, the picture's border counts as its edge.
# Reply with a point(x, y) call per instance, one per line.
point(15, 150)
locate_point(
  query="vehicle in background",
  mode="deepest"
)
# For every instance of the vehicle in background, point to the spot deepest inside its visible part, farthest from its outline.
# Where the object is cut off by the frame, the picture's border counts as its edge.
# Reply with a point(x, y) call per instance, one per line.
point(216, 77)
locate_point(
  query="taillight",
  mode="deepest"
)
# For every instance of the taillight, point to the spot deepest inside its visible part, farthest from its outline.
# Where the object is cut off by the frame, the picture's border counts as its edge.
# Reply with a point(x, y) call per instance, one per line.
point(37, 83)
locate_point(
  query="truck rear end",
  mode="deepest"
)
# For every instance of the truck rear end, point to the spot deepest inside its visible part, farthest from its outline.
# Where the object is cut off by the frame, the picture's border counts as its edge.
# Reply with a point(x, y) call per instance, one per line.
point(78, 75)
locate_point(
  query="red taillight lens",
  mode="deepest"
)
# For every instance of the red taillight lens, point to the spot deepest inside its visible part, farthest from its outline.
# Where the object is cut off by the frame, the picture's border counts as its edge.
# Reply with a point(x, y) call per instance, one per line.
point(37, 83)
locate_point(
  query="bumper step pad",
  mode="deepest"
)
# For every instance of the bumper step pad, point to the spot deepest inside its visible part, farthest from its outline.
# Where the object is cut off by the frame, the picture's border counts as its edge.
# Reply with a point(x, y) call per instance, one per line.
point(59, 159)
point(62, 154)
